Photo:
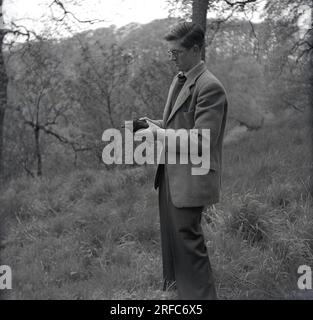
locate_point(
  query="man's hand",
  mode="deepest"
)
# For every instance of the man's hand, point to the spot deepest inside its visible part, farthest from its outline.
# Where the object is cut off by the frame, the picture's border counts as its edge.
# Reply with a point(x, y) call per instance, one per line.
point(154, 131)
point(150, 121)
point(157, 132)
point(136, 125)
point(140, 124)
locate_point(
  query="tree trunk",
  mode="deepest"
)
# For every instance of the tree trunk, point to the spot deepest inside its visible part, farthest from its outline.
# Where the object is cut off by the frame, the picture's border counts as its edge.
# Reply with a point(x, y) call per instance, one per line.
point(2, 113)
point(199, 13)
point(3, 89)
point(3, 99)
point(38, 154)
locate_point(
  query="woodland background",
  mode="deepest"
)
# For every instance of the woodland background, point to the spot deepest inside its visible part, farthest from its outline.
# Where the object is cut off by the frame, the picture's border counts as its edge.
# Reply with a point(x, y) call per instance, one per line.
point(75, 228)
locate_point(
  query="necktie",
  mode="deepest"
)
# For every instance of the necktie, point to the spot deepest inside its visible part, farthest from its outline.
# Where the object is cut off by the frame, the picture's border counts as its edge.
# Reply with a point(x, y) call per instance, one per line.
point(179, 84)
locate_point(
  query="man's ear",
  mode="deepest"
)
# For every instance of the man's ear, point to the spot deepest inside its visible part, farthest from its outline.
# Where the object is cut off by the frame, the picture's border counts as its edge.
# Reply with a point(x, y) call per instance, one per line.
point(196, 49)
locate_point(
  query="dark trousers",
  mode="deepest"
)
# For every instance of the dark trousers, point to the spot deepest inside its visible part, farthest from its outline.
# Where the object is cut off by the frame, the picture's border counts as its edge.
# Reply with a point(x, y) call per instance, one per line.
point(184, 253)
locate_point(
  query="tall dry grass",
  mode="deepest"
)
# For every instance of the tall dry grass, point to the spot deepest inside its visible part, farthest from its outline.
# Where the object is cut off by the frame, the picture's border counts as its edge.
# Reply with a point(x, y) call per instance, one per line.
point(95, 234)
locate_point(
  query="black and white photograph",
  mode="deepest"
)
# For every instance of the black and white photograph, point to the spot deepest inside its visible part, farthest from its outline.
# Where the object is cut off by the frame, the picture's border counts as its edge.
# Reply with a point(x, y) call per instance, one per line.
point(156, 150)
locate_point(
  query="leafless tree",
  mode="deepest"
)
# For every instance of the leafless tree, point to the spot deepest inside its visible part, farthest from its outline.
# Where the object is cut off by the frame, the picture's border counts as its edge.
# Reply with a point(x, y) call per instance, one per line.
point(14, 30)
point(41, 98)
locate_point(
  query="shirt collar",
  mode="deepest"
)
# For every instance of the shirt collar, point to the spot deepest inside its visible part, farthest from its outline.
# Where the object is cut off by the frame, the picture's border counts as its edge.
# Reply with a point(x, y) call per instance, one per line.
point(187, 74)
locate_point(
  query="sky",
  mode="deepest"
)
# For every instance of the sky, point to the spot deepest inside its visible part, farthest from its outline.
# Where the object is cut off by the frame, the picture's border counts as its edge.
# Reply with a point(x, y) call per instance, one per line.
point(36, 14)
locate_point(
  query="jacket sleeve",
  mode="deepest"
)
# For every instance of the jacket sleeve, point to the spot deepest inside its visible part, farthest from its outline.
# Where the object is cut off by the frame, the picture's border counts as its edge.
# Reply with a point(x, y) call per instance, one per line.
point(209, 110)
point(159, 123)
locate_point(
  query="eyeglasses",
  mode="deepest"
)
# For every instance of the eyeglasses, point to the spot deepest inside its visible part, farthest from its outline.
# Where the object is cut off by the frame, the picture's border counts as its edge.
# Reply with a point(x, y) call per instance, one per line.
point(174, 53)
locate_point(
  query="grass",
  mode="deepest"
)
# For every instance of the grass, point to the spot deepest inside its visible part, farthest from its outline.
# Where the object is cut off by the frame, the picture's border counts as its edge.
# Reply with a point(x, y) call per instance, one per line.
point(95, 234)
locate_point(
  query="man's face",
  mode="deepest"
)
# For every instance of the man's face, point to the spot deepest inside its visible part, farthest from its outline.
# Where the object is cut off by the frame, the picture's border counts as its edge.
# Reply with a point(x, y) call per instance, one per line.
point(183, 58)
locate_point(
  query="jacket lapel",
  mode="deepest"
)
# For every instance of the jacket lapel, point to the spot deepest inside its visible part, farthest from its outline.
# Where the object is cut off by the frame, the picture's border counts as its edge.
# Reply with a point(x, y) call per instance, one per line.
point(184, 93)
point(168, 102)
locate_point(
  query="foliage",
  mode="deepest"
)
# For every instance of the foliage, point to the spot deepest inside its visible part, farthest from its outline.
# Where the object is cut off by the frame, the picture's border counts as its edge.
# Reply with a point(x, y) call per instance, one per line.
point(100, 78)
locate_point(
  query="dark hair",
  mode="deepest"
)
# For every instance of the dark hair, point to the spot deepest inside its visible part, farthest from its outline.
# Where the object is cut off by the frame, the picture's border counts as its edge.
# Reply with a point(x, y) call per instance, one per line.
point(189, 33)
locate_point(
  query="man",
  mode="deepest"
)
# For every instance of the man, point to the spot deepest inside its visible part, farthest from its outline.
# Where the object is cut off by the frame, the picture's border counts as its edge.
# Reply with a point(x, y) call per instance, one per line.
point(196, 100)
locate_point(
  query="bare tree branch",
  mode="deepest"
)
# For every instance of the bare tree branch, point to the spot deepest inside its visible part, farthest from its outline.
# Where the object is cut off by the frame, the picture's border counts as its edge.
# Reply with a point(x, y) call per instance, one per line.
point(19, 30)
point(293, 105)
point(218, 24)
point(240, 4)
point(66, 13)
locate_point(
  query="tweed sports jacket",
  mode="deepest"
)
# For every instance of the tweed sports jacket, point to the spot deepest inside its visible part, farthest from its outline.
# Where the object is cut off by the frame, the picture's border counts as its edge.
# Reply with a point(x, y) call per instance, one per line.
point(201, 104)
